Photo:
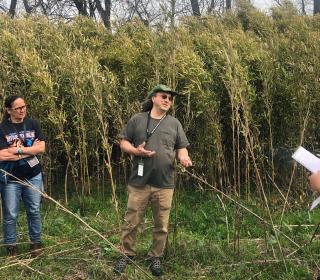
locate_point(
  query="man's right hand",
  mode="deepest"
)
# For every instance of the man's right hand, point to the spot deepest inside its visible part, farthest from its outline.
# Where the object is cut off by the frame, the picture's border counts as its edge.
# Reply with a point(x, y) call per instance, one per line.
point(142, 152)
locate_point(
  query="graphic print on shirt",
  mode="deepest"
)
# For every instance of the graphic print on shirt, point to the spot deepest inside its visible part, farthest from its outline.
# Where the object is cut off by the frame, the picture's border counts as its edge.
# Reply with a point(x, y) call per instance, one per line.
point(13, 137)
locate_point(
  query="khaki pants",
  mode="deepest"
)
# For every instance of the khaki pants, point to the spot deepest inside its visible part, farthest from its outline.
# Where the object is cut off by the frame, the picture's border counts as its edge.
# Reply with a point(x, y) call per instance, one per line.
point(138, 199)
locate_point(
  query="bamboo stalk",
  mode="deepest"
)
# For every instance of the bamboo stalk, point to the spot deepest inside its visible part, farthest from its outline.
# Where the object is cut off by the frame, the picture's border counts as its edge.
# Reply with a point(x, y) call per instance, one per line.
point(305, 122)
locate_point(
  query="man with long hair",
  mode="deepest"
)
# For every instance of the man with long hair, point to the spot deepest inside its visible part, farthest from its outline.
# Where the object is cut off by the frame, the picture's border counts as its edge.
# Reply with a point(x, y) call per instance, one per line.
point(154, 139)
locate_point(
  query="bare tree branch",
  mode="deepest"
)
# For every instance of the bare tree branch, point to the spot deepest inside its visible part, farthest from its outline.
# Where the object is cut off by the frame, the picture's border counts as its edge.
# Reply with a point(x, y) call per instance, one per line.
point(3, 8)
point(27, 6)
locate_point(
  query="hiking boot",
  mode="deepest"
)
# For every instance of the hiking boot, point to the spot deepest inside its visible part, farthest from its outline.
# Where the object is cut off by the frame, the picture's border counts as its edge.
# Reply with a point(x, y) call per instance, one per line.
point(155, 266)
point(11, 251)
point(36, 249)
point(121, 264)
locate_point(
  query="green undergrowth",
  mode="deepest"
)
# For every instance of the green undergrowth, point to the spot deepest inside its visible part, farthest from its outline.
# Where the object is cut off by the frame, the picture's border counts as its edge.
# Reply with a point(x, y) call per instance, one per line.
point(210, 238)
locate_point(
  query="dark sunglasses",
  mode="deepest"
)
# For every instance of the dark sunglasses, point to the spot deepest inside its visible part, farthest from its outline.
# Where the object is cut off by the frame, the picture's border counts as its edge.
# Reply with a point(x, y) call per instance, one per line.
point(164, 96)
point(20, 108)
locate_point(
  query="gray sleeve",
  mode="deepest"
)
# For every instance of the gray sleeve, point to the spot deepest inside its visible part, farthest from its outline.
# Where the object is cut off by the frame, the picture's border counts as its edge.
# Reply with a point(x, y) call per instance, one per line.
point(182, 141)
point(128, 131)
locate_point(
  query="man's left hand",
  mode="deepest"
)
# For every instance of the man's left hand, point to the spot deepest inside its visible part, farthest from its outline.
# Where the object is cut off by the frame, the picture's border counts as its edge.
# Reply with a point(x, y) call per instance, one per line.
point(185, 161)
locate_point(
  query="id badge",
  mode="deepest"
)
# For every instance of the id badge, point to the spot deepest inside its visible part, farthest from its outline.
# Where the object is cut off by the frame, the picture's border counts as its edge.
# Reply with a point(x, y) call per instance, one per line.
point(33, 161)
point(140, 168)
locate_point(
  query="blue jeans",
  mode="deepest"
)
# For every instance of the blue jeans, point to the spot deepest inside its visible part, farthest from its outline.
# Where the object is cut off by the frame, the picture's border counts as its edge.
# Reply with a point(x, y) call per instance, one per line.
point(11, 195)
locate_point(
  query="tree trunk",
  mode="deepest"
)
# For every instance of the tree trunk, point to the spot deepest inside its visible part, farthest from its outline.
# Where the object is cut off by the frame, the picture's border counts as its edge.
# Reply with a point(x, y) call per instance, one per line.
point(104, 13)
point(172, 12)
point(81, 7)
point(195, 8)
point(12, 9)
point(316, 7)
point(212, 6)
point(303, 7)
point(107, 4)
point(92, 8)
point(228, 4)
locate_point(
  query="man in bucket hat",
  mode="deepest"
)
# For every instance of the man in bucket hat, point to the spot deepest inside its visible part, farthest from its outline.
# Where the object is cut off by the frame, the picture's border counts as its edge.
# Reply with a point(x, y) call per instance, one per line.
point(154, 139)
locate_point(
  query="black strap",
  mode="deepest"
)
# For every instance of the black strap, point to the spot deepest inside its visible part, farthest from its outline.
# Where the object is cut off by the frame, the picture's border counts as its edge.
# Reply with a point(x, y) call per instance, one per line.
point(149, 133)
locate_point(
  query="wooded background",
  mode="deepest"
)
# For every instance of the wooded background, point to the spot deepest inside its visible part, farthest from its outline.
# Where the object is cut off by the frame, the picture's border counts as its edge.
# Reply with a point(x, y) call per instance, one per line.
point(150, 12)
point(249, 85)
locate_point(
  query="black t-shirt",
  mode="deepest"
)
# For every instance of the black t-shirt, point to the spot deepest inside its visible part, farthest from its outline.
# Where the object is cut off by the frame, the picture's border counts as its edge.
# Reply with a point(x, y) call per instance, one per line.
point(28, 131)
point(168, 137)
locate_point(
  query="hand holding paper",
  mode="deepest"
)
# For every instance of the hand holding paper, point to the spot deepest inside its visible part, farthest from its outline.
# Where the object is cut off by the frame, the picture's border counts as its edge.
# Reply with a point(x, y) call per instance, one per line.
point(307, 159)
point(315, 181)
point(312, 163)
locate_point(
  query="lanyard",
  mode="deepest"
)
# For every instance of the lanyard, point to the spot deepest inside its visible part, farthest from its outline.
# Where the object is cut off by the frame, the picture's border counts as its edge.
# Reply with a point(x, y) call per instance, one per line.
point(149, 133)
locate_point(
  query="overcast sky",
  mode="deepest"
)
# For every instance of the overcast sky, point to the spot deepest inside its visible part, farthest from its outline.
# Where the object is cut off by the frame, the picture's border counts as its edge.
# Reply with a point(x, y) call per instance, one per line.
point(263, 4)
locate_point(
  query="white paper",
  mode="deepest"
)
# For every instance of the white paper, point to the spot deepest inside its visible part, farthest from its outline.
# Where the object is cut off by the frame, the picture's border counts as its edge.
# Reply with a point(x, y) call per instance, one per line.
point(309, 161)
point(315, 203)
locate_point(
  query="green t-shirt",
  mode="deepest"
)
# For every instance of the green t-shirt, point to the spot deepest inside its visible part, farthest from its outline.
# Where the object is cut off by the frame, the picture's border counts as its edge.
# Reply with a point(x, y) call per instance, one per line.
point(169, 136)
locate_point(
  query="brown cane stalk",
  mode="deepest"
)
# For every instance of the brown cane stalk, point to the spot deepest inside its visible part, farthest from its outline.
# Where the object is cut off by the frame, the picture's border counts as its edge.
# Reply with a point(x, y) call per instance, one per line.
point(305, 122)
point(107, 148)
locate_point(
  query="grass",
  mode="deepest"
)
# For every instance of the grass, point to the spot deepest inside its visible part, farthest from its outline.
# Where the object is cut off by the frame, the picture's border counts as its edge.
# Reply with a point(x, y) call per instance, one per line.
point(200, 244)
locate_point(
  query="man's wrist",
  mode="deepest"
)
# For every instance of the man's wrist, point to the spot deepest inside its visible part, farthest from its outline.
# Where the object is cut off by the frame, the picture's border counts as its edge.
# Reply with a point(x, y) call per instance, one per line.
point(135, 152)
